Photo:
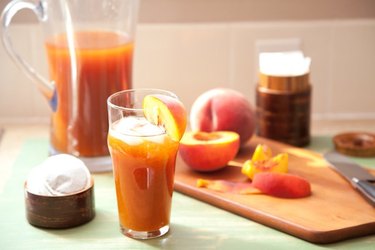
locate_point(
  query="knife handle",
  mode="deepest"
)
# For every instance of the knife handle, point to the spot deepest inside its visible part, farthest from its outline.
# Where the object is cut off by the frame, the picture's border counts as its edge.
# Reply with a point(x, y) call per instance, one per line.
point(367, 188)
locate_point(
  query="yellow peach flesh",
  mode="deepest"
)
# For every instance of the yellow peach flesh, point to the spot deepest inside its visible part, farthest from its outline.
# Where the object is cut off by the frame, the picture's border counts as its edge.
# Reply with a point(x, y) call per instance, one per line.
point(262, 161)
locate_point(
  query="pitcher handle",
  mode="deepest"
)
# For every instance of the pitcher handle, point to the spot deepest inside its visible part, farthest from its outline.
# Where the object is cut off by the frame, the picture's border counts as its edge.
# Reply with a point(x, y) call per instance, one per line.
point(46, 87)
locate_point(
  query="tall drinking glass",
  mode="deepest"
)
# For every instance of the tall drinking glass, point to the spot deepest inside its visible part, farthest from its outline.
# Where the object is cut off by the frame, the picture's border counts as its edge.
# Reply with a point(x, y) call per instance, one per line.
point(143, 158)
point(89, 46)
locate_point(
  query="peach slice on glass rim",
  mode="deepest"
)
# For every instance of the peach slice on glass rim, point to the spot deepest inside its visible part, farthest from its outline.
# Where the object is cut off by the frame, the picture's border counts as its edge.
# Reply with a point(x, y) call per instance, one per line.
point(210, 151)
point(166, 111)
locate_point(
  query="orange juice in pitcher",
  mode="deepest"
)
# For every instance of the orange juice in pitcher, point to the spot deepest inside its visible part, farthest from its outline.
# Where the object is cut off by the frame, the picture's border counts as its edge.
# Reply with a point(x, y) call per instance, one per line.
point(104, 65)
point(89, 46)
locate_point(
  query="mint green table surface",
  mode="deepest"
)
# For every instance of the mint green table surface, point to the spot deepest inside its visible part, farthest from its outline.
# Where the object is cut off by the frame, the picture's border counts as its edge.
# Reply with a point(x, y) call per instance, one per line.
point(195, 225)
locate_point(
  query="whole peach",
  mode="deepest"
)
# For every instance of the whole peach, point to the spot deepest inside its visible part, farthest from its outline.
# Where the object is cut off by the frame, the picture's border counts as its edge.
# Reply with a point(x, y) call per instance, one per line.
point(223, 109)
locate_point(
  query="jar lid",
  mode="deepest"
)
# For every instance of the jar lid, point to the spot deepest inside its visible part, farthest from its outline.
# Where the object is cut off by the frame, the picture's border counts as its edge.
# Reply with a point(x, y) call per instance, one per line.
point(284, 83)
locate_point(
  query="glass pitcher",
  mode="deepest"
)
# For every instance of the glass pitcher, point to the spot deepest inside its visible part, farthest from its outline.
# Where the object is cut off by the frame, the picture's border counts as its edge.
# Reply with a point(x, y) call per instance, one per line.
point(89, 45)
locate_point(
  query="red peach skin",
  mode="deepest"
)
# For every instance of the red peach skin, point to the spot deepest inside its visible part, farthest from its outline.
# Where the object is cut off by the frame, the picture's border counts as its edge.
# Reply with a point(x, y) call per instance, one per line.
point(282, 185)
point(223, 109)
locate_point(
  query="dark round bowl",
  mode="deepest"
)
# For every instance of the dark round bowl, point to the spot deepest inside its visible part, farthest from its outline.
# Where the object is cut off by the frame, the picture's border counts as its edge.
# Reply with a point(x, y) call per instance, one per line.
point(60, 211)
point(359, 144)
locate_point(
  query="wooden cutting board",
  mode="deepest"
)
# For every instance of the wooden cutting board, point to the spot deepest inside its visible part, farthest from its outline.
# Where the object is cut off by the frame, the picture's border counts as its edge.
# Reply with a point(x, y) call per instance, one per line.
point(334, 211)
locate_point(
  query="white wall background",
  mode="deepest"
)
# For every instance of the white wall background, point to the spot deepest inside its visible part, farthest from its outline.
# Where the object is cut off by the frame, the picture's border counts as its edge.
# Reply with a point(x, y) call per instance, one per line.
point(189, 58)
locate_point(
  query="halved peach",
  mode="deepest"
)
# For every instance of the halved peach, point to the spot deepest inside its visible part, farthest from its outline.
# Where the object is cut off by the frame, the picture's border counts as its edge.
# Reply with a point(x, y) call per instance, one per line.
point(262, 161)
point(166, 111)
point(209, 151)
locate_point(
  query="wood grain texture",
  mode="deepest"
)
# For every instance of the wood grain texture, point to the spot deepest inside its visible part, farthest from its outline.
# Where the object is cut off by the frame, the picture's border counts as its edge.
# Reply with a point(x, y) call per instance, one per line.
point(334, 211)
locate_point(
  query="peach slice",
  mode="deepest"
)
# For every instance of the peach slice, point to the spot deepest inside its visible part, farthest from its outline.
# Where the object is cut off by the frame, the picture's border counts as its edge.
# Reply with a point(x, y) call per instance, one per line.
point(274, 184)
point(209, 151)
point(166, 111)
point(262, 153)
point(224, 186)
point(262, 161)
point(282, 185)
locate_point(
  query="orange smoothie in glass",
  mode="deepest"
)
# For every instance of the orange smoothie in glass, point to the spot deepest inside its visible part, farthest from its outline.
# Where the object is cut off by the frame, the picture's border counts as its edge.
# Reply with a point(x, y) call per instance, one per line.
point(143, 157)
point(145, 128)
point(86, 74)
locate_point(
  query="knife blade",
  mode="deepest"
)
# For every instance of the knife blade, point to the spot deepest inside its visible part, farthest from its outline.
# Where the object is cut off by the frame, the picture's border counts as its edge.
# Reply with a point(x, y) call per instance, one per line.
point(360, 179)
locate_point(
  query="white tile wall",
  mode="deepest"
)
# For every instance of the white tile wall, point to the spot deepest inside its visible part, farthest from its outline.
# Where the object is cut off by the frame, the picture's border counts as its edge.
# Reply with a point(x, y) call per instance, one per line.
point(191, 58)
point(353, 68)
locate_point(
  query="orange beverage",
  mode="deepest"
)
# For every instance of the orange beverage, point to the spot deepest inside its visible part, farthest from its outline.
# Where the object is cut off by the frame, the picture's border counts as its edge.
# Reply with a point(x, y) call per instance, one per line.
point(143, 159)
point(86, 67)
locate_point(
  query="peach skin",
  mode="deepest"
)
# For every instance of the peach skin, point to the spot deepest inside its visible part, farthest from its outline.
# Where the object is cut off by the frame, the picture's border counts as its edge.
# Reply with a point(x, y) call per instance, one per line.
point(223, 110)
point(282, 185)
